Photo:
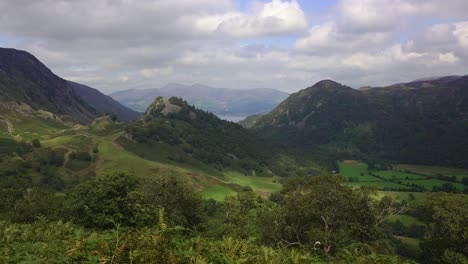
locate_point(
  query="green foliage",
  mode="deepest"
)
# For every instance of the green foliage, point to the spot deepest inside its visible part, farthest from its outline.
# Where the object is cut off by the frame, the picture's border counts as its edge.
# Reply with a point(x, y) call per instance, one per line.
point(334, 122)
point(182, 205)
point(320, 209)
point(447, 232)
point(110, 200)
point(36, 143)
point(82, 155)
point(192, 134)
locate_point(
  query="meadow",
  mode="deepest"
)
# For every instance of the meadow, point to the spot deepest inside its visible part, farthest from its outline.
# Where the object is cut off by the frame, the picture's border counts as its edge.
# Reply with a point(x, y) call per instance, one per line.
point(434, 170)
point(400, 177)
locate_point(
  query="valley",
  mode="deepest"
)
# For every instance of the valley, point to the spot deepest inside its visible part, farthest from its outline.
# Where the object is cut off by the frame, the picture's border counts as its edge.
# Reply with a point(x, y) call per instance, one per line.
point(376, 172)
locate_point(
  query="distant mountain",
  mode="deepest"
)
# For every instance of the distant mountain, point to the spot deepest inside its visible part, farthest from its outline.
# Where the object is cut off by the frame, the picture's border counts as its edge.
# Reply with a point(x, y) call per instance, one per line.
point(438, 79)
point(103, 103)
point(216, 100)
point(423, 122)
point(25, 80)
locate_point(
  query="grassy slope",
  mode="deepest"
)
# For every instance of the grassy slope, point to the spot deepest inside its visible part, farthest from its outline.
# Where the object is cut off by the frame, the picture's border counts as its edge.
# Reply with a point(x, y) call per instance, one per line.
point(29, 125)
point(112, 156)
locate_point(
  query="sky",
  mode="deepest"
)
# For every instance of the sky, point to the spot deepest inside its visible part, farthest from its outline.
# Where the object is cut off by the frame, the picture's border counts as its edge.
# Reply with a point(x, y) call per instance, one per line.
point(289, 45)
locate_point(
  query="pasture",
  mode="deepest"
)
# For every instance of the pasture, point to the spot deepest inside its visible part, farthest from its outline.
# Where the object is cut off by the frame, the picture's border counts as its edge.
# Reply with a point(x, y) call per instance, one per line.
point(401, 177)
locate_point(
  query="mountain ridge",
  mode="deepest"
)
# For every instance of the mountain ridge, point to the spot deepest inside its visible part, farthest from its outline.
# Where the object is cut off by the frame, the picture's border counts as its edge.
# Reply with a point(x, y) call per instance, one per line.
point(23, 78)
point(422, 122)
point(26, 85)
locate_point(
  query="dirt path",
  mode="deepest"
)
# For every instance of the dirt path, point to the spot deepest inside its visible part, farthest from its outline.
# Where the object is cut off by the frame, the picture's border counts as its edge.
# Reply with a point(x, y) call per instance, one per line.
point(9, 125)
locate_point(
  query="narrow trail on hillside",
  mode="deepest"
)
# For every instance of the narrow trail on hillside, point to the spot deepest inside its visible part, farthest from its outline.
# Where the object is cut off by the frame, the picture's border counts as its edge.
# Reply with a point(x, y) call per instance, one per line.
point(9, 125)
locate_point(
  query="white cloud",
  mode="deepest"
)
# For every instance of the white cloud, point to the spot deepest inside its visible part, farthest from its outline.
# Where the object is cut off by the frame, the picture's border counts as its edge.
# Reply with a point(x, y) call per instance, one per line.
point(123, 44)
point(157, 72)
point(328, 38)
point(276, 17)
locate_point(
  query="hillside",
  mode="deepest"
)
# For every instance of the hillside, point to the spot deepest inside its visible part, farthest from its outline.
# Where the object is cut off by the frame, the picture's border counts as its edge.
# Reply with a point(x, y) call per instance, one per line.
point(173, 131)
point(26, 82)
point(216, 100)
point(103, 103)
point(423, 122)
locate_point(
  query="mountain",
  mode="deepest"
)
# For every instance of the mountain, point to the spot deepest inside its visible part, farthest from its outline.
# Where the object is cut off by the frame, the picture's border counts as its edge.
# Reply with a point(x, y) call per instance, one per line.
point(103, 103)
point(423, 122)
point(25, 81)
point(216, 100)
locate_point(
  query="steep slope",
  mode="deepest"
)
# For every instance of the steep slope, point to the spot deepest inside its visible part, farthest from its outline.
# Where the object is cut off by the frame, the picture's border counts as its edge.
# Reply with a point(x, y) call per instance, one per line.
point(25, 80)
point(422, 122)
point(215, 100)
point(103, 103)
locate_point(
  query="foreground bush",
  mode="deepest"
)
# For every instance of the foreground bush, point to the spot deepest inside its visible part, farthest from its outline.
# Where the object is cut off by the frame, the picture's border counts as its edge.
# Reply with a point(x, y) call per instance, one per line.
point(59, 242)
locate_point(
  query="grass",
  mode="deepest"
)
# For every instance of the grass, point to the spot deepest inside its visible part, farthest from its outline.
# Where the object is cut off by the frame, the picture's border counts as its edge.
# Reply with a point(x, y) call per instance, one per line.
point(429, 183)
point(142, 161)
point(434, 170)
point(379, 185)
point(77, 142)
point(356, 171)
point(217, 192)
point(113, 157)
point(262, 185)
point(23, 125)
point(398, 175)
point(357, 175)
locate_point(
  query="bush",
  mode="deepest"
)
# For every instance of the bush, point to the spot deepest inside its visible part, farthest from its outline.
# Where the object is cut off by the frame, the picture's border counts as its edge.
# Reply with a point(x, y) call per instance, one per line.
point(36, 143)
point(110, 200)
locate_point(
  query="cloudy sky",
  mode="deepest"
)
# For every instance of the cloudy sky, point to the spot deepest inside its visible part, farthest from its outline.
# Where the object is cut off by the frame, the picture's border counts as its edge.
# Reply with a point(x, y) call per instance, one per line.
point(284, 44)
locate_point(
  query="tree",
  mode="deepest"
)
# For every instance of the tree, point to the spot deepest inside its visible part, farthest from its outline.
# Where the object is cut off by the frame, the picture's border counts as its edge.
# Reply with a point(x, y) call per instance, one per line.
point(446, 235)
point(182, 205)
point(321, 209)
point(110, 200)
point(36, 143)
point(465, 181)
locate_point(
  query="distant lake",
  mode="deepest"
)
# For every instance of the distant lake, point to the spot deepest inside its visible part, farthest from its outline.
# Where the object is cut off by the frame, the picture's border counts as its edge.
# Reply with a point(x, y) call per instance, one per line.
point(231, 118)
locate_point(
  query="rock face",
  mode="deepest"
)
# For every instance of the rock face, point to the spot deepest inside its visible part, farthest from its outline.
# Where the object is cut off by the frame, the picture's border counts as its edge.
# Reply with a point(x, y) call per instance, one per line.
point(422, 122)
point(25, 80)
point(162, 106)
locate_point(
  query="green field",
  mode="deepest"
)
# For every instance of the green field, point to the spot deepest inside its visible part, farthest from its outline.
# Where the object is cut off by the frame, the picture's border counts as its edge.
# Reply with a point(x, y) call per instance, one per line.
point(434, 170)
point(357, 175)
point(429, 183)
point(380, 185)
point(356, 172)
point(398, 175)
point(262, 185)
point(217, 192)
